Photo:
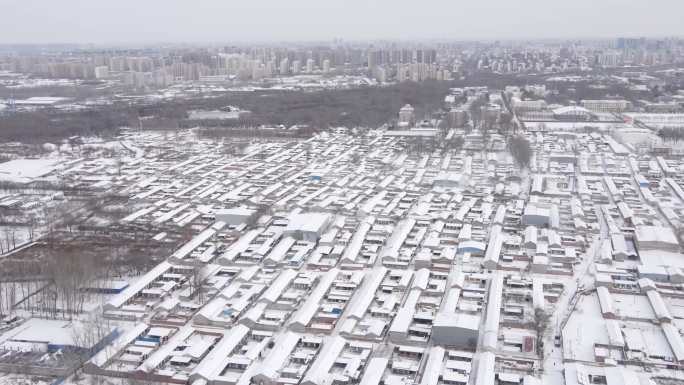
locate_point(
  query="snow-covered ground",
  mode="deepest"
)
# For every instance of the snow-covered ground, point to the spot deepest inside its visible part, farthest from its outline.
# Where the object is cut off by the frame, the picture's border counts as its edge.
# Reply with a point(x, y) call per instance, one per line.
point(16, 379)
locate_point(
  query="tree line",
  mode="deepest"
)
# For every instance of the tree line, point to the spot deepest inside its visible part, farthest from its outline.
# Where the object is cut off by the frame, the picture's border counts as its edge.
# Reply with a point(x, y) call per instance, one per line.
point(668, 134)
point(366, 106)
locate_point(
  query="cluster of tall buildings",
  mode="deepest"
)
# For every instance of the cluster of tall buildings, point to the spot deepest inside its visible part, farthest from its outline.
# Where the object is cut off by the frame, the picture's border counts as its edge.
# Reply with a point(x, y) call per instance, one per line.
point(574, 56)
point(385, 62)
point(192, 64)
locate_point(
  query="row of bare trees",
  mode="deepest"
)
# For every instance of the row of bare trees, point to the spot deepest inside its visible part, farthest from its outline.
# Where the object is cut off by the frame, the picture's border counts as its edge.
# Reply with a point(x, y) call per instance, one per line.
point(54, 288)
point(8, 240)
point(52, 279)
point(669, 134)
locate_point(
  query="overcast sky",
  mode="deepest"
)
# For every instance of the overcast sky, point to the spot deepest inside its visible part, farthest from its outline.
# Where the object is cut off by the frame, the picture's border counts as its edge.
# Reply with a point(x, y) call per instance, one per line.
point(146, 21)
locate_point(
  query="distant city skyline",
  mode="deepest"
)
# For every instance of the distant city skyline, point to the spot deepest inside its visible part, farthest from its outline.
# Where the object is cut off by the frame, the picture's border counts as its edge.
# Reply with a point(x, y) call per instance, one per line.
point(213, 21)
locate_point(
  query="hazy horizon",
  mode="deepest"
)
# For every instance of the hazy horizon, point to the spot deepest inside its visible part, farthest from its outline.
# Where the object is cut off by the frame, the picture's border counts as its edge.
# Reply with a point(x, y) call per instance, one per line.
point(213, 21)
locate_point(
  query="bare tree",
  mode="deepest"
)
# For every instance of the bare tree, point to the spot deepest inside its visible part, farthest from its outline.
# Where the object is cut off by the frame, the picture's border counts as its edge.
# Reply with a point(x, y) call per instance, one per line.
point(541, 323)
point(505, 122)
point(8, 297)
point(475, 110)
point(455, 143)
point(86, 334)
point(521, 150)
point(671, 134)
point(70, 274)
point(196, 282)
point(32, 223)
